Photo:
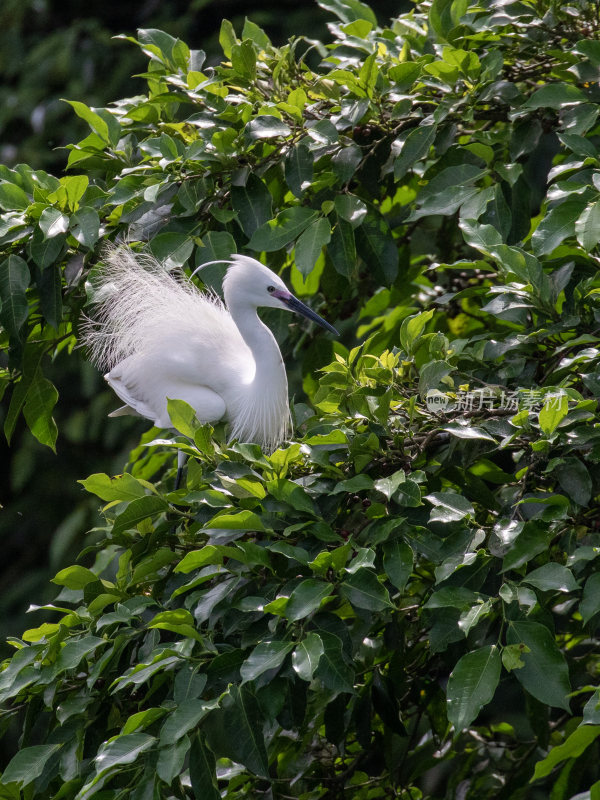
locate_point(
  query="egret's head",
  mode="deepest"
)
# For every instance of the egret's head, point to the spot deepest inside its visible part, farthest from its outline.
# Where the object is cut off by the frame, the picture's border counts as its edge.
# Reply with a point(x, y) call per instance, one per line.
point(248, 282)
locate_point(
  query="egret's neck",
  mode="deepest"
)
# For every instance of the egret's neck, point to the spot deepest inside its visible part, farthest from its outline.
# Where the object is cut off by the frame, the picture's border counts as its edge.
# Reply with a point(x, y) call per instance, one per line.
point(260, 411)
point(262, 343)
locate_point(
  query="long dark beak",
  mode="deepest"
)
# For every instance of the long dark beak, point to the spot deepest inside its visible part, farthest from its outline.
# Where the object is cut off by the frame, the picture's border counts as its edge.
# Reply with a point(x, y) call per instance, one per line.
point(297, 305)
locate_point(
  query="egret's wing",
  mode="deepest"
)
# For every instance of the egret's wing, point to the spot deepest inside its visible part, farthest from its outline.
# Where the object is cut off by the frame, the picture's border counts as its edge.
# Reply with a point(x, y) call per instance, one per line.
point(145, 384)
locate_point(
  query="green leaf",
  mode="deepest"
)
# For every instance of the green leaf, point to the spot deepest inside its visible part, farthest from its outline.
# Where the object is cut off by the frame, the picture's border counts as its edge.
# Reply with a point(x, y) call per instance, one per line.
point(85, 226)
point(587, 226)
point(342, 248)
point(265, 656)
point(14, 280)
point(306, 598)
point(574, 745)
point(183, 417)
point(574, 479)
point(552, 577)
point(31, 361)
point(590, 601)
point(122, 750)
point(258, 36)
point(235, 730)
point(171, 758)
point(75, 577)
point(531, 541)
point(388, 486)
point(239, 521)
point(13, 197)
point(367, 74)
point(286, 227)
point(363, 590)
point(252, 204)
point(298, 169)
point(182, 720)
point(332, 669)
point(357, 483)
point(52, 222)
point(554, 410)
point(137, 511)
point(415, 145)
point(50, 288)
point(310, 243)
point(94, 120)
point(444, 16)
point(121, 487)
point(227, 37)
point(172, 249)
point(378, 249)
point(545, 674)
point(266, 127)
point(449, 507)
point(398, 562)
point(40, 402)
point(350, 208)
point(555, 95)
point(472, 684)
point(46, 251)
point(306, 656)
point(349, 10)
point(556, 226)
point(203, 771)
point(28, 764)
point(178, 621)
point(412, 329)
point(243, 59)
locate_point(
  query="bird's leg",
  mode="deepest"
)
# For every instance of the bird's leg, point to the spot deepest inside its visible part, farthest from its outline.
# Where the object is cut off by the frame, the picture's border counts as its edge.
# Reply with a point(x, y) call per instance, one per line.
point(181, 459)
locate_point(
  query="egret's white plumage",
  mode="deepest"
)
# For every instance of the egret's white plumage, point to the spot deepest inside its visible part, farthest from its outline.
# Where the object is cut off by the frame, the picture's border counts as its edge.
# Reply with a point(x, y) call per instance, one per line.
point(159, 337)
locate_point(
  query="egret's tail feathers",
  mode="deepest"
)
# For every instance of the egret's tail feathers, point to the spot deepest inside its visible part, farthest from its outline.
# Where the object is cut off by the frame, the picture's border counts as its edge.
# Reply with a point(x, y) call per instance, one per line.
point(124, 411)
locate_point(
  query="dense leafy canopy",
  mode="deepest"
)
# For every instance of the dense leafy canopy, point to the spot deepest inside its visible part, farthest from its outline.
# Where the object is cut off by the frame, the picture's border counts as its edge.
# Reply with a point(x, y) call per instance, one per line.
point(403, 600)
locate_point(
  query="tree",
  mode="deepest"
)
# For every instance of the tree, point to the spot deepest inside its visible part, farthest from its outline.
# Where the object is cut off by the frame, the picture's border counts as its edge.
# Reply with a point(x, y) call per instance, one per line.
point(402, 601)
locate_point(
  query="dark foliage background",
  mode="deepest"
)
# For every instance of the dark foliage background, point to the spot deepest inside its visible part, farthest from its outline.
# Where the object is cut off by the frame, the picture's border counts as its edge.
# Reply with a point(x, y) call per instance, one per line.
point(401, 602)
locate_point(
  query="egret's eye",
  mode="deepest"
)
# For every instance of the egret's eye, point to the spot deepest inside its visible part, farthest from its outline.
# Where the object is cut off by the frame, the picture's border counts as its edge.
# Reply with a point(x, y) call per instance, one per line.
point(270, 289)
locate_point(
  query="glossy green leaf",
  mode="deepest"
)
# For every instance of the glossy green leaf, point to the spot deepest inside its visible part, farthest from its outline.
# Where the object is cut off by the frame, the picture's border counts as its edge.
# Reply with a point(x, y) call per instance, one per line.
point(472, 685)
point(306, 656)
point(265, 656)
point(545, 674)
point(342, 248)
point(236, 730)
point(306, 598)
point(363, 590)
point(286, 227)
point(14, 280)
point(552, 577)
point(138, 510)
point(398, 562)
point(449, 507)
point(554, 410)
point(120, 487)
point(28, 764)
point(332, 668)
point(590, 601)
point(310, 243)
point(298, 169)
point(252, 204)
point(203, 771)
point(575, 744)
point(556, 226)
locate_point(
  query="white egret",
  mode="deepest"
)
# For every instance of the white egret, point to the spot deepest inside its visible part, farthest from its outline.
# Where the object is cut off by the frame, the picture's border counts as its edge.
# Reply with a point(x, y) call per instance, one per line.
point(158, 337)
